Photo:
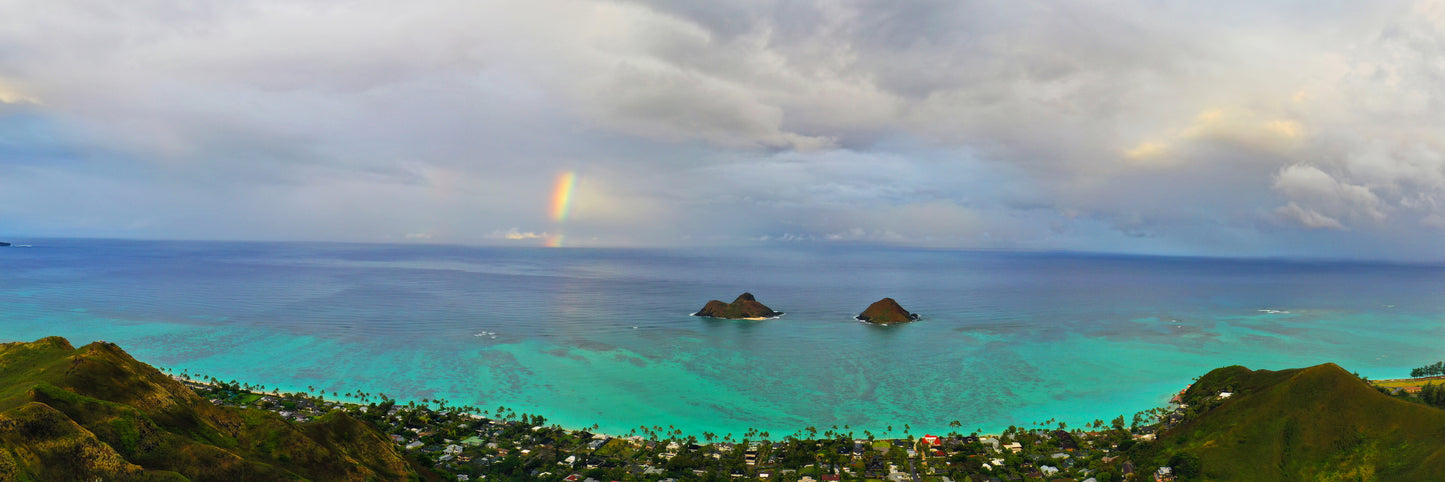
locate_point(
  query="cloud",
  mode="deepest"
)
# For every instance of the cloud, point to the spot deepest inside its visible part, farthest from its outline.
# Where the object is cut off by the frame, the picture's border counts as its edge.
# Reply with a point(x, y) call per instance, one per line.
point(1147, 151)
point(1327, 198)
point(12, 95)
point(1308, 217)
point(516, 234)
point(1433, 220)
point(672, 104)
point(1133, 126)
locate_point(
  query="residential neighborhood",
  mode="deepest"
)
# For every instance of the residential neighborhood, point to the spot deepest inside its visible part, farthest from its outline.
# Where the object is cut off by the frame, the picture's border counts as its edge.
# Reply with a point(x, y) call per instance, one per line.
point(465, 443)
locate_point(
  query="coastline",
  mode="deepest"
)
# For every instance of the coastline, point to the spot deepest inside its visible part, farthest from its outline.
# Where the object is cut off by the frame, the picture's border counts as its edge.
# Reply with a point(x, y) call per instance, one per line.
point(755, 318)
point(463, 444)
point(348, 399)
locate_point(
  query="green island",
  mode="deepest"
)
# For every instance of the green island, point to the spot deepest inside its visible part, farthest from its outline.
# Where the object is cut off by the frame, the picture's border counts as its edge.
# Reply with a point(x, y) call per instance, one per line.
point(94, 412)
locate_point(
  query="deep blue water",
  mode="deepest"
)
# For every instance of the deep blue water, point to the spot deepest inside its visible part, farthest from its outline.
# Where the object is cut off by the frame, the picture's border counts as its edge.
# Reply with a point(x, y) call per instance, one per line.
point(604, 336)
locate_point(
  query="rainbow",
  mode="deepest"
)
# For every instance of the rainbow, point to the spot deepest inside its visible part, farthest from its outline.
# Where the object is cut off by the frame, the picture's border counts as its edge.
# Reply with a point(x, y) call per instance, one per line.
point(561, 205)
point(562, 195)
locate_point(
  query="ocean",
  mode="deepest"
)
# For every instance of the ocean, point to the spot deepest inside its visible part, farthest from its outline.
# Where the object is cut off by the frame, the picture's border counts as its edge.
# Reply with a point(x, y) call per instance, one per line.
point(605, 336)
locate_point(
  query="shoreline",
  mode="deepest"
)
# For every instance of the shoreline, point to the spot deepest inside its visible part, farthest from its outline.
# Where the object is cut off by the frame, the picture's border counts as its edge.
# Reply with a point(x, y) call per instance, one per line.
point(755, 318)
point(463, 444)
point(341, 401)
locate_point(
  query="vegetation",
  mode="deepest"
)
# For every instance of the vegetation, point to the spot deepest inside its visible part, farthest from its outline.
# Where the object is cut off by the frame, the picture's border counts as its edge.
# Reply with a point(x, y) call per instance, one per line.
point(95, 412)
point(886, 310)
point(1316, 423)
point(745, 306)
point(1432, 370)
point(1432, 394)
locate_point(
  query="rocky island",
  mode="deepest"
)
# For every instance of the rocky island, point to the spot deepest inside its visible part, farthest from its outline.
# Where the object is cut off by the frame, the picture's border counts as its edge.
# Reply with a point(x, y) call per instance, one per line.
point(886, 311)
point(745, 307)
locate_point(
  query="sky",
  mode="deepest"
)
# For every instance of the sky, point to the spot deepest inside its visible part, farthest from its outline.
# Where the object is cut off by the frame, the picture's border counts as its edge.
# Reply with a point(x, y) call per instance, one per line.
point(1226, 128)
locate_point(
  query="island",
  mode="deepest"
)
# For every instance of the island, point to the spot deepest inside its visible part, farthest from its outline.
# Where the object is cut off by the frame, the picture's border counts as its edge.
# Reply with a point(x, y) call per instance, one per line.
point(745, 307)
point(886, 311)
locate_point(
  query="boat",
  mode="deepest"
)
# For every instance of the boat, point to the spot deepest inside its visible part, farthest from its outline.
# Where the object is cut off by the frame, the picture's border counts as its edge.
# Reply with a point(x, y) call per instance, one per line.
point(3, 244)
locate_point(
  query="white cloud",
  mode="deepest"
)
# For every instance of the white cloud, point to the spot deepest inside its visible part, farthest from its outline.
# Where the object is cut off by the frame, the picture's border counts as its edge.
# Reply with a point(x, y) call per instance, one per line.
point(1308, 217)
point(517, 234)
point(12, 95)
point(1318, 200)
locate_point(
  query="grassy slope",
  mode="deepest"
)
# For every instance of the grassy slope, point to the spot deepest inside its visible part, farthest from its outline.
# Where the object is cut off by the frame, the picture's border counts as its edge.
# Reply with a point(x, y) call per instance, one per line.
point(96, 411)
point(1316, 423)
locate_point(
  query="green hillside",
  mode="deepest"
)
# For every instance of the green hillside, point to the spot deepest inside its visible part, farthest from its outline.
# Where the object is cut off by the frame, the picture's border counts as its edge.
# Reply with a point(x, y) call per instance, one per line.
point(95, 412)
point(1316, 423)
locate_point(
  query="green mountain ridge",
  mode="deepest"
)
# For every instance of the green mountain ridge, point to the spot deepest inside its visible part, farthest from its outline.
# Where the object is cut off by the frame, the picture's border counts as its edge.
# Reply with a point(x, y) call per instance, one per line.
point(95, 412)
point(1315, 423)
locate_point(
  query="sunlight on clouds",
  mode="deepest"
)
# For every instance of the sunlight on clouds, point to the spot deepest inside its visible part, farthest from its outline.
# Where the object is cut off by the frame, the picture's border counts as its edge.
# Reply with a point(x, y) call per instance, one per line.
point(1238, 127)
point(1210, 123)
point(517, 234)
point(11, 95)
point(1287, 129)
point(1147, 151)
point(1244, 127)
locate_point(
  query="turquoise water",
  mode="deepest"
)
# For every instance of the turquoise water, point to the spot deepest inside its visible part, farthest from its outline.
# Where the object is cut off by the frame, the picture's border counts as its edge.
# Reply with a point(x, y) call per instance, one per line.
point(604, 336)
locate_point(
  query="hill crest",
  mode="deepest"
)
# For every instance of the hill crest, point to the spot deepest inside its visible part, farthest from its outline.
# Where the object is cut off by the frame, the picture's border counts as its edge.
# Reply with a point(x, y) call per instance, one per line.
point(69, 414)
point(1313, 423)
